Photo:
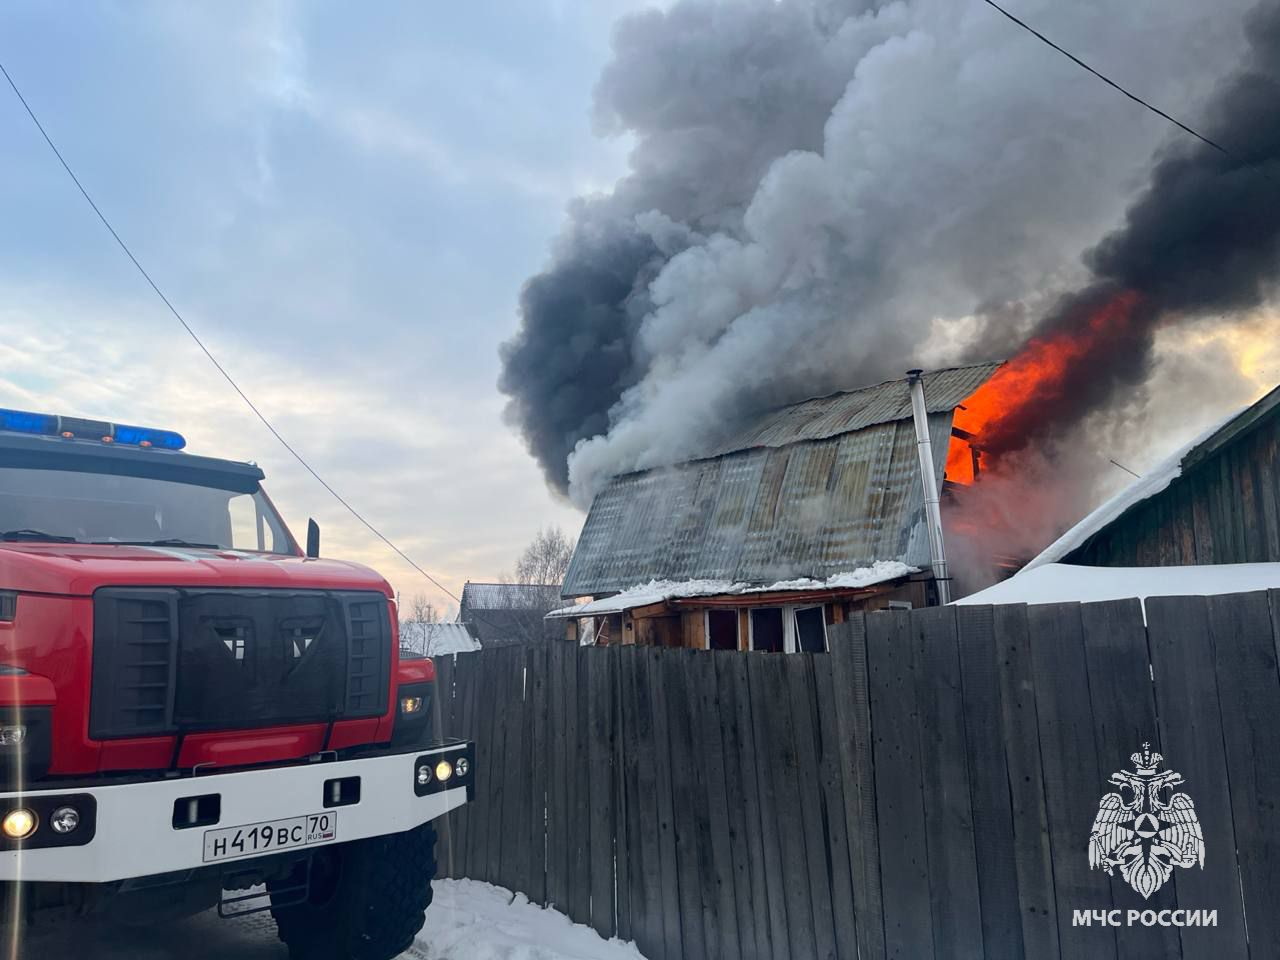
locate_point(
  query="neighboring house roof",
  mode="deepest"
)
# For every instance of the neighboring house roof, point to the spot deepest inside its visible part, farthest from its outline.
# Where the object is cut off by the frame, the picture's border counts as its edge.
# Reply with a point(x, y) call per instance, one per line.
point(440, 639)
point(1159, 478)
point(819, 488)
point(1062, 582)
point(510, 596)
point(657, 592)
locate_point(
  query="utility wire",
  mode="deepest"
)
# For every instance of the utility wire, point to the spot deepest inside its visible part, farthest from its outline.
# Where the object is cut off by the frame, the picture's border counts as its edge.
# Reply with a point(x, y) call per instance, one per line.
point(1111, 83)
point(200, 343)
point(1124, 468)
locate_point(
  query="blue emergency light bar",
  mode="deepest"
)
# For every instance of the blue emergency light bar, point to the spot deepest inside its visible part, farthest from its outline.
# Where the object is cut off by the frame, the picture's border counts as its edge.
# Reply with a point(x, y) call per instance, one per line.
point(74, 428)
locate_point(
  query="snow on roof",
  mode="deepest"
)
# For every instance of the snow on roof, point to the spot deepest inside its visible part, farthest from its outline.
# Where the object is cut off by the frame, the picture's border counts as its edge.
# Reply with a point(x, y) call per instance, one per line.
point(441, 639)
point(1154, 481)
point(656, 591)
point(1064, 582)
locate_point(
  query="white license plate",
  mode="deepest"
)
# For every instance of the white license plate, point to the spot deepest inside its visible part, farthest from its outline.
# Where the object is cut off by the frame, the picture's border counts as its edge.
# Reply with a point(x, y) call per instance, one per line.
point(270, 836)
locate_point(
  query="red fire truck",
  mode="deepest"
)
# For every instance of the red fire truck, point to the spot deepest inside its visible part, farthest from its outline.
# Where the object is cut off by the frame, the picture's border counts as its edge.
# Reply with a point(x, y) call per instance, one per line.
point(196, 712)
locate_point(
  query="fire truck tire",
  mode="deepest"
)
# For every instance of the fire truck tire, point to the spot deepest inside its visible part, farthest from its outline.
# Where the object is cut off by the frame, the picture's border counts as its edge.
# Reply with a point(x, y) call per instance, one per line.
point(368, 899)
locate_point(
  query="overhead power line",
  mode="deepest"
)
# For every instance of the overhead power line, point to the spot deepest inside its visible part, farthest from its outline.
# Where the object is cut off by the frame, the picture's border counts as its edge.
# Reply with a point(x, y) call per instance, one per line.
point(1111, 83)
point(200, 343)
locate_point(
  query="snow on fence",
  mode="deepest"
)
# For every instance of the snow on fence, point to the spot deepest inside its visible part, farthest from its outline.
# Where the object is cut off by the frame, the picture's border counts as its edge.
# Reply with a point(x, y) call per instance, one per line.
point(927, 789)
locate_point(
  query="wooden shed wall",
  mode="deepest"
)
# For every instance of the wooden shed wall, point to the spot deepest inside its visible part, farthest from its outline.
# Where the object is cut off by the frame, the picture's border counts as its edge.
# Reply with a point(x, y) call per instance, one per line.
point(1225, 509)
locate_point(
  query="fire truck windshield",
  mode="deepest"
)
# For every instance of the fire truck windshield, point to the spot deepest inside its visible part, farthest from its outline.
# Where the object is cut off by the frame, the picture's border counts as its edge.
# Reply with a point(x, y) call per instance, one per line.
point(71, 505)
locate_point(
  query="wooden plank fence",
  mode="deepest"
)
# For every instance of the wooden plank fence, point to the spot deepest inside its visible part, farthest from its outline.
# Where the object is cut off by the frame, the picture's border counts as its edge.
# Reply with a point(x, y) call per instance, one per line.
point(927, 789)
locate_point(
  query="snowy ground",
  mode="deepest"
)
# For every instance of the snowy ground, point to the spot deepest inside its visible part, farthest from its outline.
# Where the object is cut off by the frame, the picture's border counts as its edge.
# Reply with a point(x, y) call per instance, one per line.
point(469, 920)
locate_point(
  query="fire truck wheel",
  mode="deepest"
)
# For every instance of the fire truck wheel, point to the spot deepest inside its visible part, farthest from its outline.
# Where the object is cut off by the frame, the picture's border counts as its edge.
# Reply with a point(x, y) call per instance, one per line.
point(367, 899)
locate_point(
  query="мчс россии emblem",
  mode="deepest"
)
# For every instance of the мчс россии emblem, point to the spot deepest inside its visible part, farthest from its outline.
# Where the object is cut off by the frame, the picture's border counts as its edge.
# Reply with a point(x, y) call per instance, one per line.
point(1140, 832)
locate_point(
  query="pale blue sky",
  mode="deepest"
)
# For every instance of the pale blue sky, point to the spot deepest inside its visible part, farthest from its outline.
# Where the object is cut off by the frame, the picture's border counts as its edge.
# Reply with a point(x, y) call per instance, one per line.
point(344, 206)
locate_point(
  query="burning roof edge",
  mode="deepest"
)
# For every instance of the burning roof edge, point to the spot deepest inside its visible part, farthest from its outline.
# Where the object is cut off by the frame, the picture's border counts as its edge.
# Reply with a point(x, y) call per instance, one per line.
point(1158, 479)
point(658, 591)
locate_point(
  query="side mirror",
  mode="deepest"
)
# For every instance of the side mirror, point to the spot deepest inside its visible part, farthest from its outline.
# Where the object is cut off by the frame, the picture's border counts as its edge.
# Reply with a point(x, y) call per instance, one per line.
point(313, 539)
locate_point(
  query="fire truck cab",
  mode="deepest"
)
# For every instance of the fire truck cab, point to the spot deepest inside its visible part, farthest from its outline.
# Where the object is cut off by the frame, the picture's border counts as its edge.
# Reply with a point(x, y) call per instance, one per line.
point(193, 712)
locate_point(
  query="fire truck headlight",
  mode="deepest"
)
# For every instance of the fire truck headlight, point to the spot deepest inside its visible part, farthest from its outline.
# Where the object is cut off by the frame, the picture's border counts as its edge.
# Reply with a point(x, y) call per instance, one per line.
point(19, 824)
point(410, 705)
point(424, 774)
point(444, 770)
point(462, 766)
point(12, 734)
point(64, 819)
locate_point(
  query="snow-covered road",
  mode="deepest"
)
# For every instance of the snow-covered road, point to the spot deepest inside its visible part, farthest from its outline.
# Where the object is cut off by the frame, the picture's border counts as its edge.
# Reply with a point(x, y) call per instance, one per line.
point(467, 921)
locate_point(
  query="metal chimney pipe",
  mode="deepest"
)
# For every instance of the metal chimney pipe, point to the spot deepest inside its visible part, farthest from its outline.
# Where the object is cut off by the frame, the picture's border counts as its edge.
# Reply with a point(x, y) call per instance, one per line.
point(931, 484)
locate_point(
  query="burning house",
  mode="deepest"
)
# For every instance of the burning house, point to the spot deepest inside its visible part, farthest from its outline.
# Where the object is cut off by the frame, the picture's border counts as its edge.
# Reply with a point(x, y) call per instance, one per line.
point(767, 248)
point(815, 510)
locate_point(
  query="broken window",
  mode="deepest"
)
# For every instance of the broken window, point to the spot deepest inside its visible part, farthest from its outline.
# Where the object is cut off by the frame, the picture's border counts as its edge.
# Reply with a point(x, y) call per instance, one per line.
point(609, 630)
point(766, 629)
point(811, 630)
point(722, 629)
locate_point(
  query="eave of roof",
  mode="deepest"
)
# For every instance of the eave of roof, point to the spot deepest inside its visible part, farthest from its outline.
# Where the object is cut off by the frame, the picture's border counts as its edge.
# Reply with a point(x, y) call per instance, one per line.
point(714, 592)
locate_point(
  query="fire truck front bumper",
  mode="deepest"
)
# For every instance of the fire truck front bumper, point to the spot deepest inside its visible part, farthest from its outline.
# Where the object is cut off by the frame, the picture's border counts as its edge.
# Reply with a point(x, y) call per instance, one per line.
point(104, 833)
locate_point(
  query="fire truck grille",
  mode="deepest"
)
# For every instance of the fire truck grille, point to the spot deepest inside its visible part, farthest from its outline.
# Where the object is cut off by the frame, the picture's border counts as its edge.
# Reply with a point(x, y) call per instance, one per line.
point(174, 660)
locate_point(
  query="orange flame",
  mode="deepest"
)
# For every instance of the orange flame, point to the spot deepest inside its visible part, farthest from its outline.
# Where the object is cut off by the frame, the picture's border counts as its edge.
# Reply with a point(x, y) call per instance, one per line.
point(1038, 375)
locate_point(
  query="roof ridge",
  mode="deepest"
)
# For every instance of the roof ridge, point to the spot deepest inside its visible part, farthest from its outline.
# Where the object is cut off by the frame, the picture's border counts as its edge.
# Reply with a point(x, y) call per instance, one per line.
point(882, 383)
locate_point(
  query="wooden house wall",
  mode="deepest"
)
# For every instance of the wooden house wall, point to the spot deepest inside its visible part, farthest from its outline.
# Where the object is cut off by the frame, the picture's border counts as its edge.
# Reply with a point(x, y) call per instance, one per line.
point(1225, 509)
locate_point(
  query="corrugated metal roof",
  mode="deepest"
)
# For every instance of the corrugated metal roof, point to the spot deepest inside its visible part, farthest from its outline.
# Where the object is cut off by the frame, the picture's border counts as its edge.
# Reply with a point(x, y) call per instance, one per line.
point(810, 509)
point(819, 488)
point(509, 596)
point(811, 490)
point(839, 413)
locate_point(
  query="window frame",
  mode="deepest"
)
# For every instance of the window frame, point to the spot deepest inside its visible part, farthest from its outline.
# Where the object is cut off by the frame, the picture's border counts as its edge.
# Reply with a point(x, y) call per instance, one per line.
point(791, 632)
point(751, 628)
point(737, 627)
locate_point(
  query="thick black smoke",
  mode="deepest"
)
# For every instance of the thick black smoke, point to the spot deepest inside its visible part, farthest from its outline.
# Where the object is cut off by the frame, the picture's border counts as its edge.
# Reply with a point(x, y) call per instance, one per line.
point(574, 355)
point(1202, 238)
point(824, 194)
point(715, 93)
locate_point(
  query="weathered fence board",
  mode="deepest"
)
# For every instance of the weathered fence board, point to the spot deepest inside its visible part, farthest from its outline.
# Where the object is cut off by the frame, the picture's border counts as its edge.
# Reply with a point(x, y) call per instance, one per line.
point(599, 756)
point(904, 858)
point(1124, 711)
point(1069, 762)
point(839, 877)
point(754, 896)
point(1244, 649)
point(926, 790)
point(734, 806)
point(672, 928)
point(576, 776)
point(559, 658)
point(853, 729)
point(948, 816)
point(767, 780)
point(989, 783)
point(1187, 702)
point(1021, 741)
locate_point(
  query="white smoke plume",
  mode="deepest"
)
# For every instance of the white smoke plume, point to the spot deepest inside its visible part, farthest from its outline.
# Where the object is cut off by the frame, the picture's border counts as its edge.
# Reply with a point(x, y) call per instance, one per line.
point(821, 193)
